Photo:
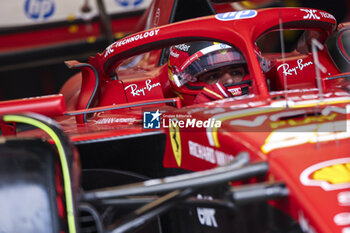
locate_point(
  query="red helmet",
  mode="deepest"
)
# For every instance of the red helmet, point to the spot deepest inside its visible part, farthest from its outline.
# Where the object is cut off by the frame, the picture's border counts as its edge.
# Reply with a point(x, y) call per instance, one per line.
point(188, 61)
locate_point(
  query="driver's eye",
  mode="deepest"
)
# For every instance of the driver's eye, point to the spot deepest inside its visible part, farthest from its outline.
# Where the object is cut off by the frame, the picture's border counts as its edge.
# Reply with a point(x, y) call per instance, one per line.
point(210, 77)
point(236, 73)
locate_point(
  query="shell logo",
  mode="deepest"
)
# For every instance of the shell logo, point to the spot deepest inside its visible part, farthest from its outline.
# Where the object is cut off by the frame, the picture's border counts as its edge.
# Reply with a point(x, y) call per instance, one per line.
point(335, 174)
point(329, 175)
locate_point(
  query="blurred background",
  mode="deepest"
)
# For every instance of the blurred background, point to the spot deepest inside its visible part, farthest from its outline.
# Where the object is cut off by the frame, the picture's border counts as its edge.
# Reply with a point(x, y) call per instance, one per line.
point(37, 36)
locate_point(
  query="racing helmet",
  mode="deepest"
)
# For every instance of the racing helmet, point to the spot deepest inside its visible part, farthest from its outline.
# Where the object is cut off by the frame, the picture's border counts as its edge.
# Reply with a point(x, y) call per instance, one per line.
point(189, 61)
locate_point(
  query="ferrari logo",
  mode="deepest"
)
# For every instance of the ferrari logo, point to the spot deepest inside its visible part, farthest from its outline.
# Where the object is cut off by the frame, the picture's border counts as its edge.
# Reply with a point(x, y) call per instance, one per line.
point(175, 140)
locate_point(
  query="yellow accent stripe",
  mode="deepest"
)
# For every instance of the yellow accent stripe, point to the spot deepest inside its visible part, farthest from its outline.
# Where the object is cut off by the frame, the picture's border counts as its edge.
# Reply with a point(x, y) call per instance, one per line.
point(214, 130)
point(64, 163)
point(215, 137)
point(213, 93)
point(321, 103)
point(179, 94)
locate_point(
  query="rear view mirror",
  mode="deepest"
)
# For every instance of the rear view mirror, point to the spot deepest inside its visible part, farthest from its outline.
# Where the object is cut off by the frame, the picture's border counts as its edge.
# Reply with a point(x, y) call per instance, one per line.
point(339, 47)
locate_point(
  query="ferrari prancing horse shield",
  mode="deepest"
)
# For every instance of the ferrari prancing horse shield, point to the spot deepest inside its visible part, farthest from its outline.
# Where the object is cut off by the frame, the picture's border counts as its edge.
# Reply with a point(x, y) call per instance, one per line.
point(175, 139)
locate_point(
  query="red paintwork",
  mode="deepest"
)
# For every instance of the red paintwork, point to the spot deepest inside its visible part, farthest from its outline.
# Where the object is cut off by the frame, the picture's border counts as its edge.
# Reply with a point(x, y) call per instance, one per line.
point(52, 105)
point(250, 123)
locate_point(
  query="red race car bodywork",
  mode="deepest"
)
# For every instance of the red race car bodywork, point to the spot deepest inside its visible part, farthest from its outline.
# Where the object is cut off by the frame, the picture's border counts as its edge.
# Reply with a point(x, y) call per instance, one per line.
point(295, 117)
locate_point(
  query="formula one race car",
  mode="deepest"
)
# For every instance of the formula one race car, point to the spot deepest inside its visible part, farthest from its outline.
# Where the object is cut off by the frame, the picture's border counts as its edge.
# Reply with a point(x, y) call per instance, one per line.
point(125, 148)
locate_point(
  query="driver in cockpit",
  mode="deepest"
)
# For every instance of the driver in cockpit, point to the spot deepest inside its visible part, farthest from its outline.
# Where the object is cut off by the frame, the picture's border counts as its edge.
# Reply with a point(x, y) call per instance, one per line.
point(207, 71)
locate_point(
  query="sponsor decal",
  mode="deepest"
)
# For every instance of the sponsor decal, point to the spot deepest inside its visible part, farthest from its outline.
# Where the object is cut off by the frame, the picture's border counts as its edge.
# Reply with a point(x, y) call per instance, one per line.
point(182, 47)
point(310, 14)
point(228, 16)
point(314, 14)
point(223, 46)
point(127, 3)
point(39, 9)
point(329, 175)
point(235, 91)
point(327, 114)
point(327, 15)
point(307, 120)
point(335, 174)
point(173, 53)
point(243, 110)
point(344, 198)
point(189, 61)
point(175, 139)
point(110, 49)
point(40, 97)
point(151, 120)
point(208, 154)
point(294, 70)
point(111, 120)
point(314, 133)
point(258, 121)
point(206, 216)
point(136, 91)
point(342, 219)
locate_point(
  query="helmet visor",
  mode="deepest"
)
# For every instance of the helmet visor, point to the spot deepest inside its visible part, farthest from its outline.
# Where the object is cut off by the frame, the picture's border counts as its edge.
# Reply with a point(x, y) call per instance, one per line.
point(208, 59)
